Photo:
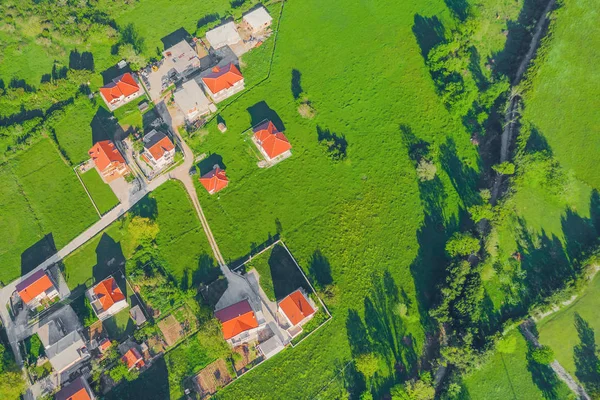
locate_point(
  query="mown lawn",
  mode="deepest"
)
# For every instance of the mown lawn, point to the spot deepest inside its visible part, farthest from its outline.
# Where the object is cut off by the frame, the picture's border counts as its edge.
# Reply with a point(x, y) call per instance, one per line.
point(563, 105)
point(41, 197)
point(183, 247)
point(101, 192)
point(363, 71)
point(559, 331)
point(510, 376)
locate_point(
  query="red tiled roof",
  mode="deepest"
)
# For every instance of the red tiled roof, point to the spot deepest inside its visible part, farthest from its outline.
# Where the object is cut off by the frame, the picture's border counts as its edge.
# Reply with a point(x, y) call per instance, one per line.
point(105, 153)
point(124, 85)
point(296, 307)
point(108, 293)
point(215, 180)
point(161, 147)
point(222, 78)
point(236, 319)
point(133, 358)
point(74, 391)
point(104, 345)
point(33, 286)
point(271, 140)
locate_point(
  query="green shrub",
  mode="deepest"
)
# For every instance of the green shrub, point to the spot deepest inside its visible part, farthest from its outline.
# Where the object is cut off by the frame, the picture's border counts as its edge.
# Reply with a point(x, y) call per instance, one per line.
point(462, 244)
point(542, 355)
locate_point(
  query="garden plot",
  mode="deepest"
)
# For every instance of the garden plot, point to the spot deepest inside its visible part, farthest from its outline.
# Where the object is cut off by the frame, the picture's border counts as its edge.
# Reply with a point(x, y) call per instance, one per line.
point(212, 378)
point(171, 330)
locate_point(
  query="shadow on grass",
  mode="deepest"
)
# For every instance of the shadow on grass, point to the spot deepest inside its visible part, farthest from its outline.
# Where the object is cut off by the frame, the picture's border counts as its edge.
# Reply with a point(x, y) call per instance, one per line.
point(207, 272)
point(296, 84)
point(285, 274)
point(586, 357)
point(110, 261)
point(261, 112)
point(429, 32)
point(102, 126)
point(458, 8)
point(175, 37)
point(145, 208)
point(207, 165)
point(151, 384)
point(319, 270)
point(37, 254)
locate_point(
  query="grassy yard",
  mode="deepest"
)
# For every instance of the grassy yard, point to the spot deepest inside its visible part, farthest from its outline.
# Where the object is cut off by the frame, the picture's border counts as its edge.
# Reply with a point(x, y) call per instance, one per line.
point(559, 331)
point(102, 194)
point(512, 376)
point(49, 208)
point(181, 241)
point(365, 214)
point(568, 118)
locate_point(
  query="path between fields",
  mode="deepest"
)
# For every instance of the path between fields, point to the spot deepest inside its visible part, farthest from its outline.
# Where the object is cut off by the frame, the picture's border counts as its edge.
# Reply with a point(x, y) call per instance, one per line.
point(558, 369)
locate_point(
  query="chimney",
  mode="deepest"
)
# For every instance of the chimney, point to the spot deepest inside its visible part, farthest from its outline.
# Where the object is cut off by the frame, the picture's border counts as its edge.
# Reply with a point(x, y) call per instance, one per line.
point(216, 69)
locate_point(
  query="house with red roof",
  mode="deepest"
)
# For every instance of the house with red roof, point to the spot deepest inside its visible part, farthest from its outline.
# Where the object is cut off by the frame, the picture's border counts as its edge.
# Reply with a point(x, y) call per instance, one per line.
point(106, 298)
point(79, 389)
point(108, 160)
point(272, 144)
point(159, 150)
point(104, 345)
point(296, 309)
point(120, 91)
point(215, 180)
point(37, 288)
point(133, 359)
point(239, 322)
point(223, 82)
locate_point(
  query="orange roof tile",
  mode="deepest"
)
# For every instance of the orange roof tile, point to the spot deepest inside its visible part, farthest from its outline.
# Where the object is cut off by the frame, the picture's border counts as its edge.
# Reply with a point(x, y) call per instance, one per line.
point(124, 85)
point(74, 391)
point(236, 319)
point(108, 293)
point(296, 307)
point(215, 180)
point(104, 345)
point(159, 149)
point(222, 78)
point(133, 358)
point(105, 153)
point(34, 285)
point(272, 141)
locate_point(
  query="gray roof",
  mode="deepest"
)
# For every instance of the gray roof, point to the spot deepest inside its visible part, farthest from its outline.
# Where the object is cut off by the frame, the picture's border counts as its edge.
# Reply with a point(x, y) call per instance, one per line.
point(271, 346)
point(49, 334)
point(190, 96)
point(137, 315)
point(258, 18)
point(182, 55)
point(223, 35)
point(67, 351)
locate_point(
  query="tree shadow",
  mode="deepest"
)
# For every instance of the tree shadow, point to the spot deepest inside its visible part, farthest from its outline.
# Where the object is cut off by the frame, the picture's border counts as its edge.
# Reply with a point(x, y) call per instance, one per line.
point(458, 8)
point(296, 84)
point(335, 145)
point(595, 210)
point(175, 37)
point(109, 74)
point(353, 381)
point(475, 69)
point(585, 355)
point(536, 142)
point(285, 274)
point(580, 235)
point(207, 19)
point(145, 208)
point(81, 61)
point(358, 338)
point(101, 124)
point(207, 272)
point(260, 112)
point(429, 32)
point(463, 177)
point(110, 259)
point(543, 376)
point(319, 269)
point(236, 3)
point(207, 165)
point(37, 253)
point(16, 83)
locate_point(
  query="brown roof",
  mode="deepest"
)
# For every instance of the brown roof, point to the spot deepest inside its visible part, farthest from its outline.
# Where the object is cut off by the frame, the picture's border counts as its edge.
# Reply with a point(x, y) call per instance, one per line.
point(272, 141)
point(222, 78)
point(105, 153)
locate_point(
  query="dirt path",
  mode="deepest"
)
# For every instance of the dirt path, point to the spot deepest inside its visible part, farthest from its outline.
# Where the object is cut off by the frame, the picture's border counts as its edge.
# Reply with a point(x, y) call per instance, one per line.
point(512, 112)
point(558, 369)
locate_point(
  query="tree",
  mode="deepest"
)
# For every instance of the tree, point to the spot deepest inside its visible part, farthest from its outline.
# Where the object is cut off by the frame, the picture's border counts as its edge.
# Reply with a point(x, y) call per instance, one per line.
point(421, 389)
point(367, 364)
point(462, 244)
point(426, 170)
point(481, 211)
point(142, 230)
point(542, 355)
point(506, 168)
point(128, 53)
point(12, 384)
point(121, 372)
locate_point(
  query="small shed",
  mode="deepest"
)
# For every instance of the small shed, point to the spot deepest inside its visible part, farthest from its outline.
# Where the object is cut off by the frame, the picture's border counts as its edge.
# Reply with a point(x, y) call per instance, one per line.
point(224, 35)
point(271, 346)
point(257, 20)
point(137, 315)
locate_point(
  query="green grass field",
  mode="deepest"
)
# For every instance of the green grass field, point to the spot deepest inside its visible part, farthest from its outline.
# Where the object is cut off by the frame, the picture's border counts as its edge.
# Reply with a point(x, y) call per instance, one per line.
point(41, 196)
point(508, 376)
point(559, 330)
point(181, 241)
point(568, 118)
point(102, 194)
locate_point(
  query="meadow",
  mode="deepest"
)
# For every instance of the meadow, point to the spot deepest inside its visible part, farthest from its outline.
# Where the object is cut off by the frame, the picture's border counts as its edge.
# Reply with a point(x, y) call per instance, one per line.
point(49, 208)
point(183, 247)
point(101, 193)
point(365, 213)
point(510, 375)
point(563, 101)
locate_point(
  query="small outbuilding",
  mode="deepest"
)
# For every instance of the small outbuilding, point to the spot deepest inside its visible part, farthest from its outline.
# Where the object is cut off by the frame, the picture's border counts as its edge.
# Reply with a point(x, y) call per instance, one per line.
point(257, 20)
point(223, 35)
